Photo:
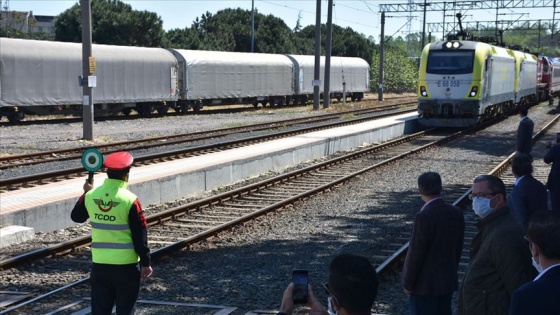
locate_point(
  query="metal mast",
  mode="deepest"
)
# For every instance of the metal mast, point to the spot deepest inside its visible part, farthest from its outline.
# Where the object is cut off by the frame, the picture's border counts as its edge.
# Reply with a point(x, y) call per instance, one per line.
point(409, 28)
point(5, 20)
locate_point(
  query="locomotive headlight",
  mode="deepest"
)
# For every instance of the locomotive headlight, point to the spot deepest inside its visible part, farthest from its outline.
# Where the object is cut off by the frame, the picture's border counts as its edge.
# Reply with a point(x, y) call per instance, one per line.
point(423, 91)
point(474, 91)
point(452, 45)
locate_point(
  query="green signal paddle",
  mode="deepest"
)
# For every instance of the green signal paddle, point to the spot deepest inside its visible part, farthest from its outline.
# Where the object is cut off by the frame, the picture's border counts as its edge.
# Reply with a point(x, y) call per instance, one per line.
point(92, 160)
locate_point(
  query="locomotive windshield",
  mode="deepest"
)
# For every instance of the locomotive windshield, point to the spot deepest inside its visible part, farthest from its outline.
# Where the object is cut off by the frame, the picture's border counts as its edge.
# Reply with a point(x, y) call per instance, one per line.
point(450, 62)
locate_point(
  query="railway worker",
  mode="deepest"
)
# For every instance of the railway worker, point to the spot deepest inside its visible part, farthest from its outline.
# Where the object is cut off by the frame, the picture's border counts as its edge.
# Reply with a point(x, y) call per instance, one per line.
point(119, 238)
point(429, 274)
point(553, 182)
point(528, 194)
point(524, 142)
point(352, 289)
point(540, 296)
point(499, 257)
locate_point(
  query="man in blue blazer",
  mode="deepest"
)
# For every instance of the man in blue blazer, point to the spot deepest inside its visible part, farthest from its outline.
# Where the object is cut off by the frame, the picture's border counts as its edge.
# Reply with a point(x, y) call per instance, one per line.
point(524, 142)
point(542, 295)
point(528, 195)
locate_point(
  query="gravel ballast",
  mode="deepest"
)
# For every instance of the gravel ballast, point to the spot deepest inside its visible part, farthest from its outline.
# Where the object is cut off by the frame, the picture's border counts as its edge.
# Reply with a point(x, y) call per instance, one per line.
point(250, 267)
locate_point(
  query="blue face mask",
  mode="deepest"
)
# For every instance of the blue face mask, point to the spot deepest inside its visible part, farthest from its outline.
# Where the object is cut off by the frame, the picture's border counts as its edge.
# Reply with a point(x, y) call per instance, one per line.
point(481, 206)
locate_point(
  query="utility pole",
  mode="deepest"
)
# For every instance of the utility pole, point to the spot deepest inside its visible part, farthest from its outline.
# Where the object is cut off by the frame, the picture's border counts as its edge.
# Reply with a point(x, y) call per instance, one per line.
point(381, 57)
point(497, 7)
point(88, 66)
point(317, 69)
point(424, 26)
point(327, 89)
point(553, 20)
point(253, 27)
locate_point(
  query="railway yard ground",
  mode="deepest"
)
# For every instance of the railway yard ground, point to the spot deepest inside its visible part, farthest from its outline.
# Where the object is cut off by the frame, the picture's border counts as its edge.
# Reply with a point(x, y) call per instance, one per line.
point(26, 138)
point(248, 268)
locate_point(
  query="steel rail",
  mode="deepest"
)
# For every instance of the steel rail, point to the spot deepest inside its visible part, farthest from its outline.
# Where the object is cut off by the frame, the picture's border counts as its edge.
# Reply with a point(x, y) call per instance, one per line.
point(152, 158)
point(75, 153)
point(176, 212)
point(499, 169)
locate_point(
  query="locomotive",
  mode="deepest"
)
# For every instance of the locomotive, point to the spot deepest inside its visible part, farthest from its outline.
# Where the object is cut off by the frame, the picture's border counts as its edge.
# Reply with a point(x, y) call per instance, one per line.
point(462, 82)
point(44, 77)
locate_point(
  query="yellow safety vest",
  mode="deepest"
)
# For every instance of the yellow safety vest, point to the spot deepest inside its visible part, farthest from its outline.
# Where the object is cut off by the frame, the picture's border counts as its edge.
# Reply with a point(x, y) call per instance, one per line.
point(108, 207)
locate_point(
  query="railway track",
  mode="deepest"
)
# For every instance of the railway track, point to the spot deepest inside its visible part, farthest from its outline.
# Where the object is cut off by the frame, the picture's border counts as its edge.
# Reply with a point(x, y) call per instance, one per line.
point(205, 218)
point(226, 109)
point(183, 226)
point(320, 122)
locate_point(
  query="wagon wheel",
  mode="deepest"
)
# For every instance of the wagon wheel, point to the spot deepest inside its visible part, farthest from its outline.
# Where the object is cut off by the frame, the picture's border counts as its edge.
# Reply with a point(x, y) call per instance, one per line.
point(145, 109)
point(15, 117)
point(163, 109)
point(126, 111)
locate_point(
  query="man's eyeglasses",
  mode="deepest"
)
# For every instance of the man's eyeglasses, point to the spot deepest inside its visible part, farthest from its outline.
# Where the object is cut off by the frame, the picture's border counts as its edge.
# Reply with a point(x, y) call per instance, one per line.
point(326, 287)
point(480, 195)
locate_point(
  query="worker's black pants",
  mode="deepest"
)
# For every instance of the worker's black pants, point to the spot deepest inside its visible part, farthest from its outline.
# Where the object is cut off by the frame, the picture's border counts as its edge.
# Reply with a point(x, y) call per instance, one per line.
point(117, 285)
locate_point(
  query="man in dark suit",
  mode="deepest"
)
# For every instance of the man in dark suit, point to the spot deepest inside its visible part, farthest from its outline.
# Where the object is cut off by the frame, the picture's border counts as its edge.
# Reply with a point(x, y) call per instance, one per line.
point(524, 142)
point(429, 275)
point(528, 195)
point(541, 296)
point(553, 183)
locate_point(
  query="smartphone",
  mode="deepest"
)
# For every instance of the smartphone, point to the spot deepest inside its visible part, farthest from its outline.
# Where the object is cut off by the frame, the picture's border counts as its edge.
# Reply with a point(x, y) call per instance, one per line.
point(300, 280)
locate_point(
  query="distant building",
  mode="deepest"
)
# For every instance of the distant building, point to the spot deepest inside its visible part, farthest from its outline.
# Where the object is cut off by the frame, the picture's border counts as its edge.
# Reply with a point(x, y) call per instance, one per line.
point(27, 22)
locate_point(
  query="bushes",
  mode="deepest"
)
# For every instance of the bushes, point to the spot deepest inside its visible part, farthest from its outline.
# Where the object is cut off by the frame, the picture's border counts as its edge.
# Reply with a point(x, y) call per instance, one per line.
point(400, 71)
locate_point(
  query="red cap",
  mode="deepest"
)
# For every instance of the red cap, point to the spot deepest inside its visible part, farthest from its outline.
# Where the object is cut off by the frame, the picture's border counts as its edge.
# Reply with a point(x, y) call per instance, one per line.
point(118, 161)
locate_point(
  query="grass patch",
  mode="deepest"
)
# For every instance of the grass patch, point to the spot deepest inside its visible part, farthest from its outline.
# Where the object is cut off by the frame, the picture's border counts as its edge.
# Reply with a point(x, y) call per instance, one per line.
point(28, 147)
point(348, 116)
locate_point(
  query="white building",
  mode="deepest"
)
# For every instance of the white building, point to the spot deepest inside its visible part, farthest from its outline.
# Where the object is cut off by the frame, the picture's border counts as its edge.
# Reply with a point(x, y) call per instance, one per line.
point(27, 22)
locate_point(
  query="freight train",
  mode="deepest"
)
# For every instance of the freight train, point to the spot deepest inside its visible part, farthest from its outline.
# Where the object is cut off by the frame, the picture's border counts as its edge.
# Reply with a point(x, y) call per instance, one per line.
point(462, 83)
point(45, 78)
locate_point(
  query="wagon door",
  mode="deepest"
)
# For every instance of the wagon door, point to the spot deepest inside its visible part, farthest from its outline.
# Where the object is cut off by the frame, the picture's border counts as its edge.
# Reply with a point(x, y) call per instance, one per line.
point(300, 83)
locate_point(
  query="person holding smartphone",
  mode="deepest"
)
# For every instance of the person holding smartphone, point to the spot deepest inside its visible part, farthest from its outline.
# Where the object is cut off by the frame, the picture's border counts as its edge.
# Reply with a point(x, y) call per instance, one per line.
point(352, 288)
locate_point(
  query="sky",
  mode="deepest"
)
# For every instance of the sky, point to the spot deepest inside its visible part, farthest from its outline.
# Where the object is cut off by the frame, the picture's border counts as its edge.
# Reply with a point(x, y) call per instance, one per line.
point(361, 15)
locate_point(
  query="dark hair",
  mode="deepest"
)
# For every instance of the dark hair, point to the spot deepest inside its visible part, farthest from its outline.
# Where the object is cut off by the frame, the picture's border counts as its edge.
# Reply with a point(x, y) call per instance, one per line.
point(522, 164)
point(523, 110)
point(120, 174)
point(429, 184)
point(353, 281)
point(544, 231)
point(495, 183)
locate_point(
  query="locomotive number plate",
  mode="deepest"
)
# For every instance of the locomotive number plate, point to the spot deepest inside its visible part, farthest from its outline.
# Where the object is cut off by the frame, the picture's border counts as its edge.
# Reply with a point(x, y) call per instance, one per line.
point(448, 83)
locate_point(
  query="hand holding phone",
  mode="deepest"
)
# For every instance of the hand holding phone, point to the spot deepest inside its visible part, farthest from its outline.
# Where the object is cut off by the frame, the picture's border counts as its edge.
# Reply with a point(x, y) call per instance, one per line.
point(300, 280)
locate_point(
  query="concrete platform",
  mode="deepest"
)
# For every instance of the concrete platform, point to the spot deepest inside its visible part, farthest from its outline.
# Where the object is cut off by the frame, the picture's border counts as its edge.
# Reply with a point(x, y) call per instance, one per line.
point(15, 234)
point(47, 207)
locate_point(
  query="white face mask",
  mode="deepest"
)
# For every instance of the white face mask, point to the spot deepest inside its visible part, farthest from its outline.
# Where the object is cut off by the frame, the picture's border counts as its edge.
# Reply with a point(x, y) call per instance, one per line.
point(481, 206)
point(330, 308)
point(537, 265)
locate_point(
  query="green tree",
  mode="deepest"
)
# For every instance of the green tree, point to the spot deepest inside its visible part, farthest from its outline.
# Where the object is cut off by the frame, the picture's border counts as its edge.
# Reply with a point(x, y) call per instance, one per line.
point(400, 72)
point(113, 23)
point(230, 30)
point(345, 42)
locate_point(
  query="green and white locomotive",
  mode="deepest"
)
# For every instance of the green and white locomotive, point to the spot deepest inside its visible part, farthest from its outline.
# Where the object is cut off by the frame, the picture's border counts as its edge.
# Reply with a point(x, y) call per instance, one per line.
point(464, 82)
